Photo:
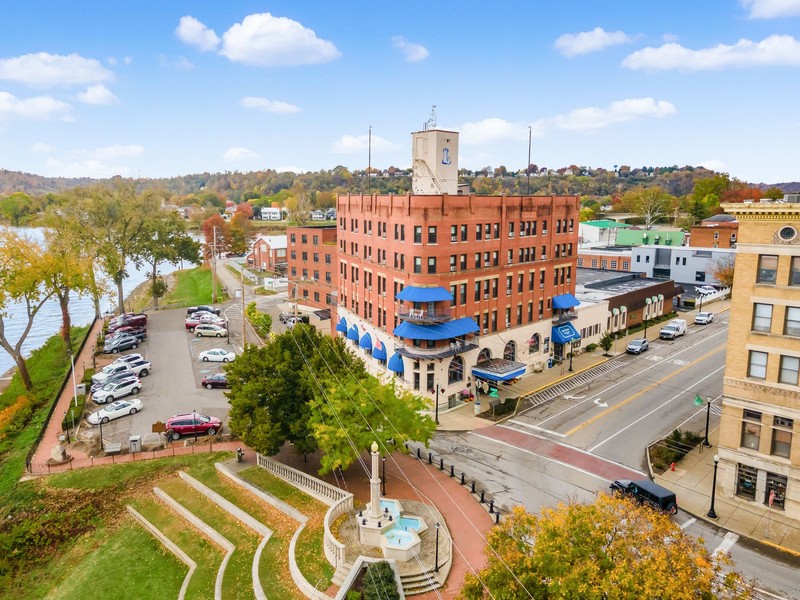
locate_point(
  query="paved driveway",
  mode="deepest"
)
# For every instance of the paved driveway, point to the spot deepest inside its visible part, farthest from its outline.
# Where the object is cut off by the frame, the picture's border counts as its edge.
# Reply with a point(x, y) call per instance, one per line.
point(173, 386)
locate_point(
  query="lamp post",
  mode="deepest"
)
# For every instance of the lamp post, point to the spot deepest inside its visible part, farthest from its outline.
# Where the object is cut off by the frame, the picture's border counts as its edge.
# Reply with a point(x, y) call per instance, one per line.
point(701, 303)
point(102, 447)
point(571, 352)
point(706, 443)
point(436, 560)
point(711, 514)
point(646, 313)
point(383, 475)
point(74, 383)
point(437, 403)
point(194, 424)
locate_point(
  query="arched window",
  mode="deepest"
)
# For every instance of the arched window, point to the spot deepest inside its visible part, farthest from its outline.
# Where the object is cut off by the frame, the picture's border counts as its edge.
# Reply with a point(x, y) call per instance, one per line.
point(455, 372)
point(510, 352)
point(533, 343)
point(484, 356)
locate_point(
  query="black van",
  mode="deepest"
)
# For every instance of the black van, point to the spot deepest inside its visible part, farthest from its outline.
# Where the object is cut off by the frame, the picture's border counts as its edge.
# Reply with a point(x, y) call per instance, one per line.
point(645, 491)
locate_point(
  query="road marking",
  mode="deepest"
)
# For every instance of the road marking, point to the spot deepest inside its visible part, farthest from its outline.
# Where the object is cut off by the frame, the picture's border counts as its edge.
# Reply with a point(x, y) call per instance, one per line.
point(727, 543)
point(688, 523)
point(644, 391)
point(656, 409)
point(565, 397)
point(598, 403)
point(535, 427)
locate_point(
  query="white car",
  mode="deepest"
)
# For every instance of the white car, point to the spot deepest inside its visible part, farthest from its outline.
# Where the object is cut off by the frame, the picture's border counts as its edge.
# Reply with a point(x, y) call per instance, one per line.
point(118, 389)
point(704, 318)
point(216, 355)
point(706, 290)
point(109, 370)
point(128, 358)
point(120, 408)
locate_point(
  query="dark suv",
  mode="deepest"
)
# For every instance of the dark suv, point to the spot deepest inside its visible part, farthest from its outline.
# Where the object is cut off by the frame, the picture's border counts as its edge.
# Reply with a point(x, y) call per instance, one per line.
point(189, 423)
point(202, 308)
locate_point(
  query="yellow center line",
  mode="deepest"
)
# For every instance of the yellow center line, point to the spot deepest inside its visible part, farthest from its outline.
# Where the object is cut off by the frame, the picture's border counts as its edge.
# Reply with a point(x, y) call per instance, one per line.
point(639, 393)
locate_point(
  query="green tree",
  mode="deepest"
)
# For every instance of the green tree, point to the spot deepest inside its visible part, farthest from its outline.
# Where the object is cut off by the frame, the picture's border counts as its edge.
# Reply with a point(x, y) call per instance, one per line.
point(774, 193)
point(589, 550)
point(15, 208)
point(262, 322)
point(650, 204)
point(606, 342)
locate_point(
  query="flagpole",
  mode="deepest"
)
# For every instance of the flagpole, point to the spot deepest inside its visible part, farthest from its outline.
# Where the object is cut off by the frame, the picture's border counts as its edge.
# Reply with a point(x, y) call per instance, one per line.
point(706, 443)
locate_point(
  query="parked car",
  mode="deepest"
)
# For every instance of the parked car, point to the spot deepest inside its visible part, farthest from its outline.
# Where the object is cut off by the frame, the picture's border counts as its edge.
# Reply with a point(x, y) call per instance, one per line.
point(142, 367)
point(705, 290)
point(637, 346)
point(294, 320)
point(202, 307)
point(135, 331)
point(116, 409)
point(218, 380)
point(112, 391)
point(673, 329)
point(284, 316)
point(109, 370)
point(190, 423)
point(123, 376)
point(128, 320)
point(704, 318)
point(647, 492)
point(216, 355)
point(119, 343)
point(209, 330)
point(203, 319)
point(126, 358)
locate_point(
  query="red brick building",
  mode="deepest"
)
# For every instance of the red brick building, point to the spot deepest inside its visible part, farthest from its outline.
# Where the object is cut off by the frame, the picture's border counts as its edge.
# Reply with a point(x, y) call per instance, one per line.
point(312, 265)
point(267, 252)
point(719, 231)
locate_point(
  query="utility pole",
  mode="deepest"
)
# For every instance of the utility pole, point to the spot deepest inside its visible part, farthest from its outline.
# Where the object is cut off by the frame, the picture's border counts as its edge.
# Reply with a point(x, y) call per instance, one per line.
point(244, 317)
point(214, 268)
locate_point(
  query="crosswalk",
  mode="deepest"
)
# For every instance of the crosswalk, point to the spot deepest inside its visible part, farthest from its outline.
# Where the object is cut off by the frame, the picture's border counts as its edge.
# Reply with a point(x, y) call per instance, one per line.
point(538, 398)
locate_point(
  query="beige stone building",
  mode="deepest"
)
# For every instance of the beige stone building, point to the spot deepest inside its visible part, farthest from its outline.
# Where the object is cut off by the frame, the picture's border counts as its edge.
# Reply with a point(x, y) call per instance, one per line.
point(758, 446)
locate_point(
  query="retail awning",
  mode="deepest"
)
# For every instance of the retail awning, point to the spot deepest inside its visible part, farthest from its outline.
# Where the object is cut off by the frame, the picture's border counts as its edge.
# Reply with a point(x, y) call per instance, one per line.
point(439, 331)
point(379, 352)
point(352, 333)
point(565, 301)
point(614, 311)
point(396, 363)
point(366, 342)
point(499, 369)
point(341, 325)
point(565, 333)
point(424, 294)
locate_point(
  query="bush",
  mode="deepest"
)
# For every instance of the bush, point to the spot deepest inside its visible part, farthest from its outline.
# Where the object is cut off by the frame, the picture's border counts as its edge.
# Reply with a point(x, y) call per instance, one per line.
point(673, 448)
point(379, 583)
point(506, 406)
point(591, 347)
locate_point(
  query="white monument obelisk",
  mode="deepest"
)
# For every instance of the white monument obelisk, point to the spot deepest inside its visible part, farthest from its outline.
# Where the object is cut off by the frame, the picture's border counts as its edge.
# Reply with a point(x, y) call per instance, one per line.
point(375, 485)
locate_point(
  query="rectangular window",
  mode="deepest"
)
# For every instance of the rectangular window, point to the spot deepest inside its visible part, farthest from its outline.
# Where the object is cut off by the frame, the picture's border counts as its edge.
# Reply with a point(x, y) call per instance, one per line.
point(477, 260)
point(751, 435)
point(417, 234)
point(477, 291)
point(790, 367)
point(497, 231)
point(792, 324)
point(746, 482)
point(432, 234)
point(781, 442)
point(478, 232)
point(431, 265)
point(794, 274)
point(767, 268)
point(626, 265)
point(487, 231)
point(762, 317)
point(511, 229)
point(463, 293)
point(757, 365)
point(464, 236)
point(417, 264)
point(453, 233)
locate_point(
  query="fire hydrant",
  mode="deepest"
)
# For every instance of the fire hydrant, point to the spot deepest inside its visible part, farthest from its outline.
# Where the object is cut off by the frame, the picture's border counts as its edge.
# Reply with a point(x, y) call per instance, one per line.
point(240, 455)
point(672, 466)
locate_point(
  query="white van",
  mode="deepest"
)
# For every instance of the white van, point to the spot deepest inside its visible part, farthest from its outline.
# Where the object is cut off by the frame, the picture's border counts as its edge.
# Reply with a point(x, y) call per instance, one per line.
point(673, 329)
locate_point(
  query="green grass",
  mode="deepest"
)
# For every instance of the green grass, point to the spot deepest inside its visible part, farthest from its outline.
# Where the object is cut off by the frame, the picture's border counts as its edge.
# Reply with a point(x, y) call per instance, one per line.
point(193, 287)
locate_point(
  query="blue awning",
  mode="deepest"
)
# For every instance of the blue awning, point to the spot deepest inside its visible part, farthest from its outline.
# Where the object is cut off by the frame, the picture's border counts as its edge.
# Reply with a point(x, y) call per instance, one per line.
point(496, 376)
point(352, 333)
point(440, 331)
point(565, 301)
point(565, 333)
point(396, 363)
point(424, 294)
point(341, 325)
point(366, 341)
point(379, 352)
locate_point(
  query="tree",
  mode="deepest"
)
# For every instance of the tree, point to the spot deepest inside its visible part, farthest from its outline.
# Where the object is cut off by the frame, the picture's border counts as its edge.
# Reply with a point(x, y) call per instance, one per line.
point(262, 322)
point(650, 204)
point(240, 229)
point(23, 264)
point(587, 550)
point(15, 208)
point(246, 209)
point(303, 387)
point(774, 193)
point(606, 342)
point(721, 269)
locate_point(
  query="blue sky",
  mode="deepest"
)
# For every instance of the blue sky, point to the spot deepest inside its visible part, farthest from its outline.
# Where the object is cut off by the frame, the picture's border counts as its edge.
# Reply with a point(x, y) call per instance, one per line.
point(157, 89)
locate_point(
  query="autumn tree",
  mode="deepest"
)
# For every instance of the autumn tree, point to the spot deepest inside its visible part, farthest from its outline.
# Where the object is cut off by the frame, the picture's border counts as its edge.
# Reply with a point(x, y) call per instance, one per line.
point(216, 232)
point(246, 209)
point(23, 265)
point(721, 269)
point(16, 208)
point(773, 193)
point(587, 550)
point(650, 204)
point(239, 231)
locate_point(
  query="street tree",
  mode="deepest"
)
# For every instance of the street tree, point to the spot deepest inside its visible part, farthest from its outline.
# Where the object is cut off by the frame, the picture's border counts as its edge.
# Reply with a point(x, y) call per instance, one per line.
point(348, 415)
point(722, 268)
point(23, 264)
point(610, 548)
point(606, 342)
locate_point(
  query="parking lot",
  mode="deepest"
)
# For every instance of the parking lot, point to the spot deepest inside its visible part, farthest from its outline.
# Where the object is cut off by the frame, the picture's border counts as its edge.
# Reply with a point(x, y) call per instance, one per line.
point(173, 385)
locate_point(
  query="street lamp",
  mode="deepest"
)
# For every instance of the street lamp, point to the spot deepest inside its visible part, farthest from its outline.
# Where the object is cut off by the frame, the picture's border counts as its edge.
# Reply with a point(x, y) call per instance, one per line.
point(711, 512)
point(74, 383)
point(571, 352)
point(437, 403)
point(701, 303)
point(194, 424)
point(383, 475)
point(102, 447)
point(436, 560)
point(706, 443)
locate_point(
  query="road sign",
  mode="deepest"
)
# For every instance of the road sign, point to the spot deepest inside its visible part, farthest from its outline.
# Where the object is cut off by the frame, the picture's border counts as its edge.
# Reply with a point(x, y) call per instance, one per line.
point(698, 401)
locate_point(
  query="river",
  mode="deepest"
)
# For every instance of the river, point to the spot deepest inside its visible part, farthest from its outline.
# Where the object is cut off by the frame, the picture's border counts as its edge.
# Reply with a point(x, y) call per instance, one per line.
point(81, 309)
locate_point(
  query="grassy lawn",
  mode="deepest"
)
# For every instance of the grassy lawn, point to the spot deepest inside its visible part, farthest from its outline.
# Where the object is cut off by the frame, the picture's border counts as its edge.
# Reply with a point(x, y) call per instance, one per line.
point(193, 287)
point(309, 550)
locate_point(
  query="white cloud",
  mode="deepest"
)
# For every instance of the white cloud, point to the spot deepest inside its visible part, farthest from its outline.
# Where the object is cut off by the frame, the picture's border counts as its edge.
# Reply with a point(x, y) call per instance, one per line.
point(413, 52)
point(192, 32)
point(239, 153)
point(772, 9)
point(44, 70)
point(273, 106)
point(492, 129)
point(782, 50)
point(715, 165)
point(350, 144)
point(42, 148)
point(262, 40)
point(98, 94)
point(585, 42)
point(621, 111)
point(39, 108)
point(116, 151)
